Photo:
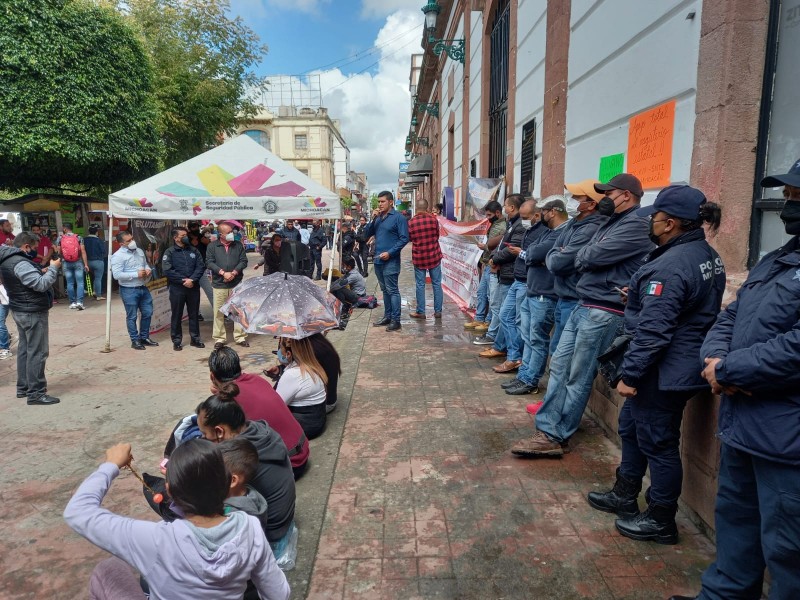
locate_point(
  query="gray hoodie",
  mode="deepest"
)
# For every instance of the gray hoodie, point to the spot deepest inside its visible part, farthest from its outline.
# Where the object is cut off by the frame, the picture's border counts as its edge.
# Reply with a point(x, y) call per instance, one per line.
point(251, 503)
point(274, 479)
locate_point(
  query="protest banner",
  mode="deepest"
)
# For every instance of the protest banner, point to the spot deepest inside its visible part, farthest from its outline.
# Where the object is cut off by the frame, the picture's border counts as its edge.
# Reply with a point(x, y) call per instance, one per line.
point(460, 256)
point(650, 145)
point(480, 191)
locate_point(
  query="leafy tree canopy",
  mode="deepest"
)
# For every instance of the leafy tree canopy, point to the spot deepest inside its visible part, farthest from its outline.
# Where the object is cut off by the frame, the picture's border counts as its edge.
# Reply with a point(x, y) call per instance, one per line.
point(204, 62)
point(76, 96)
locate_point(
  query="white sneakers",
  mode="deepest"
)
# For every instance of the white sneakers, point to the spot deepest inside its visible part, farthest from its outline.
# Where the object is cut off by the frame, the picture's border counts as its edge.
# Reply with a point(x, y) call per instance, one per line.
point(5, 354)
point(76, 306)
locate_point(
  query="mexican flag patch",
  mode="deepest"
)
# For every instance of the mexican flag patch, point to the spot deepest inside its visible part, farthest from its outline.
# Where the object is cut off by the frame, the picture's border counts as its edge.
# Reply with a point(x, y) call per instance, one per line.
point(654, 288)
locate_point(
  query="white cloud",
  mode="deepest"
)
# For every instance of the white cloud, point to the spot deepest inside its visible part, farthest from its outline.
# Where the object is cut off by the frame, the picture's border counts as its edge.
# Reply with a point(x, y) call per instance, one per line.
point(383, 8)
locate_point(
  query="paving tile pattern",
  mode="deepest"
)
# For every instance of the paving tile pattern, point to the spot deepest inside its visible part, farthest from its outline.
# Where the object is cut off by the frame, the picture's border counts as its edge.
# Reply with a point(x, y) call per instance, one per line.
point(426, 501)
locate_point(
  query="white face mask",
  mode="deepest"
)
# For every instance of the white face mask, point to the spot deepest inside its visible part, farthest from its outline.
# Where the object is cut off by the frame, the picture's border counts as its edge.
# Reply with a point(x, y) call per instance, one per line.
point(132, 245)
point(230, 237)
point(526, 222)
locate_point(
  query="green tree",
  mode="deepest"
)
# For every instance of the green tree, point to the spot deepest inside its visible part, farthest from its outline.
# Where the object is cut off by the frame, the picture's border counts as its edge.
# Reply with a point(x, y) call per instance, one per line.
point(373, 201)
point(76, 103)
point(204, 62)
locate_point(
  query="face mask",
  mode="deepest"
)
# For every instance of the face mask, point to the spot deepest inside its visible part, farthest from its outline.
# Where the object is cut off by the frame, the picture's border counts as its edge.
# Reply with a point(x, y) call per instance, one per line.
point(31, 253)
point(526, 222)
point(790, 215)
point(606, 207)
point(132, 245)
point(492, 219)
point(185, 240)
point(653, 237)
point(230, 237)
point(282, 358)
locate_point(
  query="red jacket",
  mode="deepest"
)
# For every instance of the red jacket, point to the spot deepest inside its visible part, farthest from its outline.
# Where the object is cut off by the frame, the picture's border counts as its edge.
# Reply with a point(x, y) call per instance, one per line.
point(259, 400)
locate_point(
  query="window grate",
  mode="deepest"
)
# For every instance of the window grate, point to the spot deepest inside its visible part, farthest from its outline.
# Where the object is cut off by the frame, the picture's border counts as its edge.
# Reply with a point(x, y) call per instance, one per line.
point(498, 89)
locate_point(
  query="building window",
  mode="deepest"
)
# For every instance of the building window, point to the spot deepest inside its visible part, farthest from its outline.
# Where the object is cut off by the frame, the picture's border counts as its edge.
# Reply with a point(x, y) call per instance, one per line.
point(779, 128)
point(528, 158)
point(473, 168)
point(498, 89)
point(303, 171)
point(300, 141)
point(262, 137)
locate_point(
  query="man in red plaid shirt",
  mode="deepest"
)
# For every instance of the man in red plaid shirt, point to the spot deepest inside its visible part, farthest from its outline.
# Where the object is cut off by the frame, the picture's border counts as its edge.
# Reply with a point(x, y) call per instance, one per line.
point(426, 255)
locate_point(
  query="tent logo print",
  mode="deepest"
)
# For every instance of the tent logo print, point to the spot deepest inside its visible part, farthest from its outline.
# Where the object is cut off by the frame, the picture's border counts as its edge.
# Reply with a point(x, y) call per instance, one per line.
point(316, 203)
point(142, 203)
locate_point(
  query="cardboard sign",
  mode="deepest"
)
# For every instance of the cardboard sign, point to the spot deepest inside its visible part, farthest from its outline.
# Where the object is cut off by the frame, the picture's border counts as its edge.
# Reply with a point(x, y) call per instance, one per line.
point(610, 166)
point(650, 145)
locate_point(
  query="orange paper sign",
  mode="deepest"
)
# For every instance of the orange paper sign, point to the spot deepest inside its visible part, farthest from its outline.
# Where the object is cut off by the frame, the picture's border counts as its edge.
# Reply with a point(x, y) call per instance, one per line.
point(650, 145)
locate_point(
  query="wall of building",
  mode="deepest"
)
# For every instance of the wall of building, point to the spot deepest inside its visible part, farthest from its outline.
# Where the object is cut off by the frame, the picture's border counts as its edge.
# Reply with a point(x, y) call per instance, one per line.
point(475, 70)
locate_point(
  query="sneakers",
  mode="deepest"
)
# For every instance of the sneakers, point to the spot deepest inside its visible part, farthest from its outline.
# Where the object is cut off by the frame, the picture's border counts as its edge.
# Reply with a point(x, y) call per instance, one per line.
point(483, 340)
point(329, 408)
point(538, 445)
point(511, 383)
point(79, 305)
point(521, 390)
point(481, 328)
point(5, 354)
point(73, 305)
point(44, 400)
point(491, 353)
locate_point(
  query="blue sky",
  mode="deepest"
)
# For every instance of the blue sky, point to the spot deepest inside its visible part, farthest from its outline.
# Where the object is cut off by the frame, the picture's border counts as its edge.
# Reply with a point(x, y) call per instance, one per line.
point(362, 51)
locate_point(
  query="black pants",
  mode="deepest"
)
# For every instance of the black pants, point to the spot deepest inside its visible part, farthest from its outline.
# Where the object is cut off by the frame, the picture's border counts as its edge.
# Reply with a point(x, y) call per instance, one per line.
point(316, 261)
point(346, 295)
point(180, 296)
point(362, 258)
point(311, 418)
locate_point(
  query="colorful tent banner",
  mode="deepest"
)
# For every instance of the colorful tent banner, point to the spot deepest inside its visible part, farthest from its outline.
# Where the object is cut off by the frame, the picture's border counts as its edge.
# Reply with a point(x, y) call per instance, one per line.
point(238, 180)
point(461, 254)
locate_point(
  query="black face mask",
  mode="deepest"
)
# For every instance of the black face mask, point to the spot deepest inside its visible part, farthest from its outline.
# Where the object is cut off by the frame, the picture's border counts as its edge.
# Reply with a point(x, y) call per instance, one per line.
point(185, 240)
point(31, 253)
point(790, 215)
point(492, 219)
point(606, 207)
point(653, 237)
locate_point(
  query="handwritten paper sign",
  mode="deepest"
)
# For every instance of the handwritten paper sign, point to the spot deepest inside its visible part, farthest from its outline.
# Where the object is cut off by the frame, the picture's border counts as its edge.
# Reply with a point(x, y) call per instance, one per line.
point(610, 166)
point(650, 145)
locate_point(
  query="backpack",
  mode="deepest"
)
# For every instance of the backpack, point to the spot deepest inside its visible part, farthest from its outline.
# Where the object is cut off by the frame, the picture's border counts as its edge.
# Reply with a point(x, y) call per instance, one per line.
point(70, 248)
point(367, 302)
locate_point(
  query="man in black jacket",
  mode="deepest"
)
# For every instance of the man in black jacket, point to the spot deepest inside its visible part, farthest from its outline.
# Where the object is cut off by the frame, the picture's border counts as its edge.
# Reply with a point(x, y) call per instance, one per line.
point(183, 266)
point(227, 260)
point(502, 265)
point(615, 253)
point(316, 242)
point(30, 300)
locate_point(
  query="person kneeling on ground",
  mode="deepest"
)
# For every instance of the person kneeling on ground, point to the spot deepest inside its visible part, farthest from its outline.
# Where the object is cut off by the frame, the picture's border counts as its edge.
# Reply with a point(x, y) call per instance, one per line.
point(349, 287)
point(205, 555)
point(302, 385)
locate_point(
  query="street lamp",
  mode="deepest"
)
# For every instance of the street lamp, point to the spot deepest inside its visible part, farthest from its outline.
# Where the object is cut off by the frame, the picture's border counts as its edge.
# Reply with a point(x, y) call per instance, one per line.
point(431, 108)
point(453, 48)
point(414, 121)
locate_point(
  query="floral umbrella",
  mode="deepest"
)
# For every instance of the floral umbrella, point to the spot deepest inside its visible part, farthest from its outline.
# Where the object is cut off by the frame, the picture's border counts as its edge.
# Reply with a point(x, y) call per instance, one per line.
point(283, 305)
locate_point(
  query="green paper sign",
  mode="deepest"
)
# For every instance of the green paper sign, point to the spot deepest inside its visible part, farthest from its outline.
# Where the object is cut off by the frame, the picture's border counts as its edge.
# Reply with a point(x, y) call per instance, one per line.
point(610, 166)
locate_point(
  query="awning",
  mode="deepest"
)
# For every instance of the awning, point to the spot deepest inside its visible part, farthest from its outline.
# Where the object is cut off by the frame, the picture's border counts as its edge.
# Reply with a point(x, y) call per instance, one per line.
point(415, 180)
point(421, 165)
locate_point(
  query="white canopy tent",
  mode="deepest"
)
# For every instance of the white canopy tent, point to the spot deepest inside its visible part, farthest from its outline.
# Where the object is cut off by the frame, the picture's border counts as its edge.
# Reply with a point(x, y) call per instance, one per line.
point(239, 179)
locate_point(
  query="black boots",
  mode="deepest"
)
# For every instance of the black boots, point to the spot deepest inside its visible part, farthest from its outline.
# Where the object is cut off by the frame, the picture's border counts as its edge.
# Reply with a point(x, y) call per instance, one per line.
point(621, 499)
point(656, 523)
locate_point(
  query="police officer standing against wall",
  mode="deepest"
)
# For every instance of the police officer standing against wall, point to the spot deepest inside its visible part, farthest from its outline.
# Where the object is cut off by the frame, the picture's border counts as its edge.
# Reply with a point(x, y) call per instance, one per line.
point(184, 266)
point(752, 357)
point(673, 300)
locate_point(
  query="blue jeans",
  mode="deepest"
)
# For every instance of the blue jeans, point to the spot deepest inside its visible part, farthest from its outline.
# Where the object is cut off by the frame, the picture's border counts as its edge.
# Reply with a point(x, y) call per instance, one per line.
point(74, 274)
point(388, 274)
point(650, 432)
point(137, 299)
point(510, 320)
point(482, 307)
point(98, 268)
point(497, 295)
point(758, 525)
point(436, 284)
point(589, 331)
point(5, 342)
point(562, 312)
point(537, 322)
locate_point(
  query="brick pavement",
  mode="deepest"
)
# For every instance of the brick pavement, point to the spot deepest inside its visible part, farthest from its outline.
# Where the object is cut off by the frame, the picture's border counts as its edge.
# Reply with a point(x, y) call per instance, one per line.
point(427, 502)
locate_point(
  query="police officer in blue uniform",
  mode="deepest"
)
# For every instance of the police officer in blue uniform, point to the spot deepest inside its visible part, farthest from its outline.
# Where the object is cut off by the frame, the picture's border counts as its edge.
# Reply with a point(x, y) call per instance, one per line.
point(752, 357)
point(183, 266)
point(673, 300)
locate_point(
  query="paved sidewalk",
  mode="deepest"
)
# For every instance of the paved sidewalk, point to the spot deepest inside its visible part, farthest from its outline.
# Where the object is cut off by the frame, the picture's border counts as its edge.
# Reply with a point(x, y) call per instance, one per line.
point(427, 502)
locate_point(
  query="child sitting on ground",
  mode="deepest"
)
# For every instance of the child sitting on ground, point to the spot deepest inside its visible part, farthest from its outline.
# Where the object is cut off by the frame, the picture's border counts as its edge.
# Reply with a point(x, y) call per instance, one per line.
point(207, 554)
point(241, 461)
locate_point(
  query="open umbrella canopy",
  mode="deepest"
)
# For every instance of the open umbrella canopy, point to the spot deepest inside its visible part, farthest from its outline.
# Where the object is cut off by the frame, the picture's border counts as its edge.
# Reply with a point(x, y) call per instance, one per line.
point(283, 305)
